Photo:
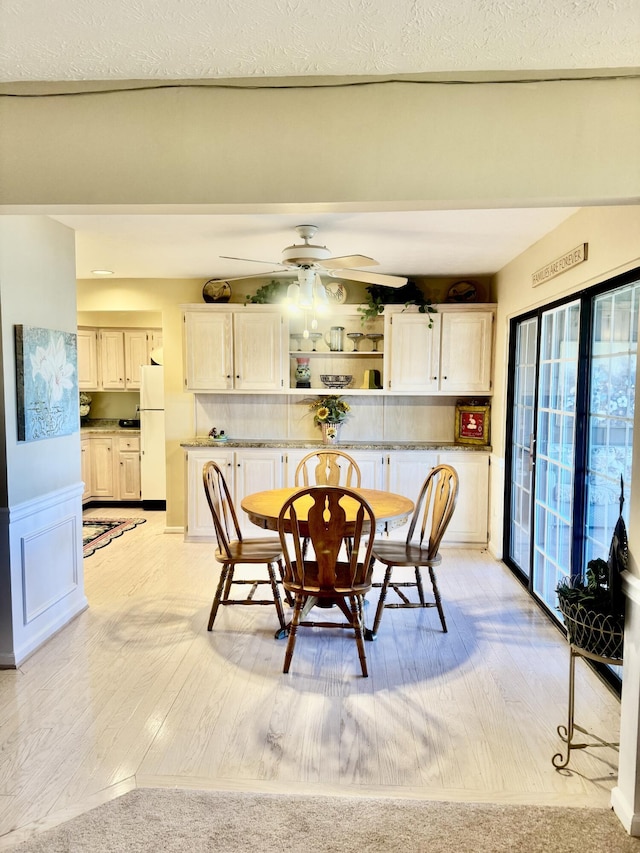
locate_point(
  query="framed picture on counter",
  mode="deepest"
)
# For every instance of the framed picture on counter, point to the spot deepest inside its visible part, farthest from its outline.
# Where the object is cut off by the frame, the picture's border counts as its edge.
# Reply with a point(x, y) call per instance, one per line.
point(472, 423)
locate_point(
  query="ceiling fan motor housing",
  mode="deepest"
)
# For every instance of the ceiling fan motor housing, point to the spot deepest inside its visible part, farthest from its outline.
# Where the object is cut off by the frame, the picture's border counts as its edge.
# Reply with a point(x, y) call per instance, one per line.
point(305, 255)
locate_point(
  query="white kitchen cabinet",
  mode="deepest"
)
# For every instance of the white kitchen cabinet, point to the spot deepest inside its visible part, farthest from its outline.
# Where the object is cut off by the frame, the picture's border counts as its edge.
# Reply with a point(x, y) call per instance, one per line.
point(454, 356)
point(246, 471)
point(412, 363)
point(111, 467)
point(87, 360)
point(102, 467)
point(407, 471)
point(112, 360)
point(233, 350)
point(466, 346)
point(136, 354)
point(85, 450)
point(129, 468)
point(470, 520)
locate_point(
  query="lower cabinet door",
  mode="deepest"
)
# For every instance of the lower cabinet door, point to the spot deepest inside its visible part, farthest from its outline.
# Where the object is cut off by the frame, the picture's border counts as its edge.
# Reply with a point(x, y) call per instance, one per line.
point(470, 520)
point(129, 476)
point(199, 524)
point(256, 471)
point(102, 479)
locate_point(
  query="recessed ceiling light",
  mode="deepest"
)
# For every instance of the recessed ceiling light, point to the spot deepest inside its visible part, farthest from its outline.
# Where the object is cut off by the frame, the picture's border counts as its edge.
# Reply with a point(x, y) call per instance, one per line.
point(102, 272)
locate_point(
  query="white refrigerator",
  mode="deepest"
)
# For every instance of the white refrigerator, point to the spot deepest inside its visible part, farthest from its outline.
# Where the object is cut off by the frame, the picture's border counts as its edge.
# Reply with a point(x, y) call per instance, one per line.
point(152, 439)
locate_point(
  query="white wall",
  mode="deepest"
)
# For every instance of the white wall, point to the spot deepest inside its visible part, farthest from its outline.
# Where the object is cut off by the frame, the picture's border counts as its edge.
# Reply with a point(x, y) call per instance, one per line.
point(41, 578)
point(425, 144)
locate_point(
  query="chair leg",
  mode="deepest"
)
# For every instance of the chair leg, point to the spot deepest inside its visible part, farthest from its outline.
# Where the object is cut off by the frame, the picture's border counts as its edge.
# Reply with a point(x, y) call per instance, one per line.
point(436, 593)
point(227, 586)
point(216, 599)
point(297, 610)
point(419, 585)
point(383, 595)
point(287, 594)
point(356, 621)
point(276, 595)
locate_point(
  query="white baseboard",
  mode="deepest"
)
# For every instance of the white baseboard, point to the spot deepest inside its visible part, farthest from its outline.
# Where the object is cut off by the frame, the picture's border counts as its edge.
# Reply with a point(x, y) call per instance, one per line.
point(624, 811)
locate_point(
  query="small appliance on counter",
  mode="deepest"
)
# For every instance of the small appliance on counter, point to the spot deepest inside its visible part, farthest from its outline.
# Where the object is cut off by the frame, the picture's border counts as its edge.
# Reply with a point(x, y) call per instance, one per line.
point(152, 438)
point(129, 423)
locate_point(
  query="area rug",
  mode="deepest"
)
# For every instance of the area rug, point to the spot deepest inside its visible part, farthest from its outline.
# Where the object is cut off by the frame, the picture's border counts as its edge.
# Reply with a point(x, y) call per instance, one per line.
point(98, 532)
point(175, 820)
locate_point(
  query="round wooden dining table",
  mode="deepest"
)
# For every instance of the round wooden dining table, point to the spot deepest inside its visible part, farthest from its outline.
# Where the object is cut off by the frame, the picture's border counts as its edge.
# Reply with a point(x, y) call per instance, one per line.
point(390, 510)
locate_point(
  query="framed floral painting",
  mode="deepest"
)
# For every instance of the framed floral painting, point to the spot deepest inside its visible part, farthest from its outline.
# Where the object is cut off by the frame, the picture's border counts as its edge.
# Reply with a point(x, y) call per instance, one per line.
point(47, 383)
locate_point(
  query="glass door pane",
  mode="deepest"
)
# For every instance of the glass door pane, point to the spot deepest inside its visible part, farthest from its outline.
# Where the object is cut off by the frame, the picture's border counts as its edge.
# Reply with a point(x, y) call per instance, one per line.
point(526, 359)
point(555, 454)
point(612, 380)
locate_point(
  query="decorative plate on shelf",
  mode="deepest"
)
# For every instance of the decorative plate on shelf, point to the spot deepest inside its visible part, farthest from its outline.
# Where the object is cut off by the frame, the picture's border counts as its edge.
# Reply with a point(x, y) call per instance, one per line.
point(216, 291)
point(336, 292)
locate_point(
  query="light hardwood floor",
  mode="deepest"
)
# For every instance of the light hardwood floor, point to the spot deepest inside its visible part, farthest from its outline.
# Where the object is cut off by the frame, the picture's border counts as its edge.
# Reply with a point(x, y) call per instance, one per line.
point(136, 692)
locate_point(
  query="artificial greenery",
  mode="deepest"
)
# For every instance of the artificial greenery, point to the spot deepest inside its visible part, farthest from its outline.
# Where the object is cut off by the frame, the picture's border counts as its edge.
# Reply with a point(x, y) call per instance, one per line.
point(330, 409)
point(379, 296)
point(274, 291)
point(595, 594)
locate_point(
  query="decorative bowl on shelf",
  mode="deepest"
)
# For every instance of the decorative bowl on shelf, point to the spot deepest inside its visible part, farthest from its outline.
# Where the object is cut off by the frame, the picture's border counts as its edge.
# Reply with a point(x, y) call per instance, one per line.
point(336, 380)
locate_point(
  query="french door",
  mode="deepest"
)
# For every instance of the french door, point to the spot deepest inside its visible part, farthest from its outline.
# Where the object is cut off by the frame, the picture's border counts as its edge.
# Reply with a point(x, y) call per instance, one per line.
point(570, 433)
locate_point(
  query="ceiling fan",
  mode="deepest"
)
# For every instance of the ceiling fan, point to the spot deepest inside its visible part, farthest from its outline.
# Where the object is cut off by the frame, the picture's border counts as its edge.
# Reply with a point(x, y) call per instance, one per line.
point(317, 261)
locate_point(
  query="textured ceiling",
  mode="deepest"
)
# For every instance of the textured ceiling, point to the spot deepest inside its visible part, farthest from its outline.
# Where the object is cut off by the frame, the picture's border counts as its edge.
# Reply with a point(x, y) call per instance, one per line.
point(181, 39)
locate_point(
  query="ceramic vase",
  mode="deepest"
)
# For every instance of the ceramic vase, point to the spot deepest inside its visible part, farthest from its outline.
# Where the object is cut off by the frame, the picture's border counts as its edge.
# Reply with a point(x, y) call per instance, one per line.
point(330, 433)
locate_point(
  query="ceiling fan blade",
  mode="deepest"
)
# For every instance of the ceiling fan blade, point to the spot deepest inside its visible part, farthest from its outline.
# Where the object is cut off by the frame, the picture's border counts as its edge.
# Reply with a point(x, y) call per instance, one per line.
point(253, 275)
point(369, 277)
point(348, 262)
point(250, 260)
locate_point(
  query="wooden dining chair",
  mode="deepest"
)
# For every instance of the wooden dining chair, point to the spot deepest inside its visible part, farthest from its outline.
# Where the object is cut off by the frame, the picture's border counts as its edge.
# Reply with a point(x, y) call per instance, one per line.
point(234, 550)
point(328, 468)
point(433, 510)
point(326, 579)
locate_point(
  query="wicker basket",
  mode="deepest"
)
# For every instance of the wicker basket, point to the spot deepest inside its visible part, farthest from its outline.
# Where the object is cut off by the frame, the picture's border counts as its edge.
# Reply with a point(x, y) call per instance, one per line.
point(594, 632)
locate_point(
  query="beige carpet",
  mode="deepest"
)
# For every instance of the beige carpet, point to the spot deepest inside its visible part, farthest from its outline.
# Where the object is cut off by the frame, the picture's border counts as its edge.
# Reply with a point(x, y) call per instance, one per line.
point(175, 820)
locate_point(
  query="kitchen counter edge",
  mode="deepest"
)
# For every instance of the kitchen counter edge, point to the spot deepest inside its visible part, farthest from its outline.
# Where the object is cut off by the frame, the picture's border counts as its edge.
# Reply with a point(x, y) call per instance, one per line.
point(301, 444)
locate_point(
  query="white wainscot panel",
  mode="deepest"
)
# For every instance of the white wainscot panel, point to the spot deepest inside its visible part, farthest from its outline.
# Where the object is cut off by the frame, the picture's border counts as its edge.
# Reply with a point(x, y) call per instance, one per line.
point(49, 566)
point(47, 579)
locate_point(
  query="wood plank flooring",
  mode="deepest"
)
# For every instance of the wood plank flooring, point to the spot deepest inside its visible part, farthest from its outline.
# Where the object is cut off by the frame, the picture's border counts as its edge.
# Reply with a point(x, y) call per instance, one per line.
point(136, 692)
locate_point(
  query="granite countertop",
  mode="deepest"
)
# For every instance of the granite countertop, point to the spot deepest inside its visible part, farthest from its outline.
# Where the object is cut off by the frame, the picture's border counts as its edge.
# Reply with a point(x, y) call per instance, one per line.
point(302, 444)
point(102, 425)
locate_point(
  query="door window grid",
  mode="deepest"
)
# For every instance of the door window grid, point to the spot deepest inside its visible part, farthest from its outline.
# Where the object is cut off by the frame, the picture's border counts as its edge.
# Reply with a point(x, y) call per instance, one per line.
point(554, 477)
point(612, 377)
point(524, 399)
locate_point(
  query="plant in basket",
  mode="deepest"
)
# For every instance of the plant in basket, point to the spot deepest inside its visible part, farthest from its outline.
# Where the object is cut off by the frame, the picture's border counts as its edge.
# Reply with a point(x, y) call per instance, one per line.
point(593, 611)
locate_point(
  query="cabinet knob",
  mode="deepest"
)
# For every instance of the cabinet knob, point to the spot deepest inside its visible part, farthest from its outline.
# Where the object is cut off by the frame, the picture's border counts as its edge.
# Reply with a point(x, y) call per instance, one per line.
point(434, 378)
point(444, 377)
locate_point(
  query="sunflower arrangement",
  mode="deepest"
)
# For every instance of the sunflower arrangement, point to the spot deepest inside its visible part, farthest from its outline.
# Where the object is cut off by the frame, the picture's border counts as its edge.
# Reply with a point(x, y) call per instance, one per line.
point(331, 409)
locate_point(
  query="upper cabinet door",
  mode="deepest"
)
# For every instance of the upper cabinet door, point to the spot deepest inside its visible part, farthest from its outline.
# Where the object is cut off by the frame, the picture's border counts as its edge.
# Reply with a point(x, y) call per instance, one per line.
point(112, 359)
point(135, 356)
point(208, 353)
point(258, 349)
point(466, 347)
point(412, 363)
point(87, 360)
